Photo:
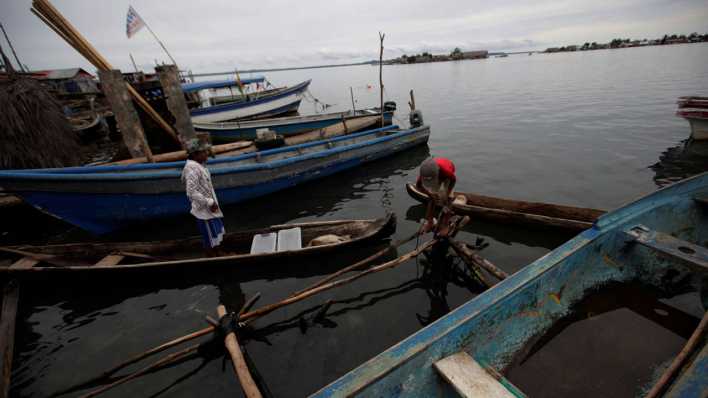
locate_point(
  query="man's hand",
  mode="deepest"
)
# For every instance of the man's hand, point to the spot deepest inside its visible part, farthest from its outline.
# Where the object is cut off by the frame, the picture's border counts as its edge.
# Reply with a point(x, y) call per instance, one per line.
point(214, 208)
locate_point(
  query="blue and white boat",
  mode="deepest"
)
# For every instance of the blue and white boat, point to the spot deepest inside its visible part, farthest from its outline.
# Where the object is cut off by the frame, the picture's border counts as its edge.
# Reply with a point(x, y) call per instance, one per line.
point(222, 100)
point(657, 241)
point(286, 126)
point(104, 198)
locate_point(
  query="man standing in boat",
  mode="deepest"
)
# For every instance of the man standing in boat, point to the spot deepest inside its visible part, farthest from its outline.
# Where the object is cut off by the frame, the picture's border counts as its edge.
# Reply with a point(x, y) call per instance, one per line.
point(437, 180)
point(201, 194)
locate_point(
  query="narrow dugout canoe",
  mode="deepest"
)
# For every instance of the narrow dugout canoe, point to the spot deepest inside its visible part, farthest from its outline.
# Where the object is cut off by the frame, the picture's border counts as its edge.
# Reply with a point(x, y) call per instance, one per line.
point(186, 253)
point(519, 212)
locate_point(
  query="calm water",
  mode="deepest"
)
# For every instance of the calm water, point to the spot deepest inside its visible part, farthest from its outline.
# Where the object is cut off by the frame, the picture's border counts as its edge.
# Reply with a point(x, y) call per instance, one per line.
point(591, 129)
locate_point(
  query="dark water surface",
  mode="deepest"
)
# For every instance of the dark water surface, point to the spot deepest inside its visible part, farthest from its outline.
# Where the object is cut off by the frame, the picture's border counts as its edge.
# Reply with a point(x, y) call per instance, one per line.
point(591, 129)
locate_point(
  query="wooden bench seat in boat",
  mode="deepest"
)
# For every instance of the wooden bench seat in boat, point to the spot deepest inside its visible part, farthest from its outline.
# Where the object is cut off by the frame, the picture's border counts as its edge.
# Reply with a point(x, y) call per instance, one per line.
point(691, 254)
point(470, 379)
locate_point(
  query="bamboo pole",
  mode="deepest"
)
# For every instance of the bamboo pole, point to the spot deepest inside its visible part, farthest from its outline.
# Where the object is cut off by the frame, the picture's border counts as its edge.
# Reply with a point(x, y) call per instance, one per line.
point(181, 155)
point(678, 362)
point(268, 309)
point(357, 265)
point(162, 362)
point(60, 24)
point(240, 367)
point(466, 253)
point(381, 85)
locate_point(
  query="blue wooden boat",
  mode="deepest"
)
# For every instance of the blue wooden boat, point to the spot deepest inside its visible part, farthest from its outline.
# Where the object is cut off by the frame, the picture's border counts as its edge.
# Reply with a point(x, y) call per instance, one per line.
point(289, 125)
point(658, 240)
point(255, 105)
point(104, 198)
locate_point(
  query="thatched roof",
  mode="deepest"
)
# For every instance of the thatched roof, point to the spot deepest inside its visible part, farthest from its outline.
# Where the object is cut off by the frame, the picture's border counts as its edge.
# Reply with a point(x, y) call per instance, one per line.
point(33, 130)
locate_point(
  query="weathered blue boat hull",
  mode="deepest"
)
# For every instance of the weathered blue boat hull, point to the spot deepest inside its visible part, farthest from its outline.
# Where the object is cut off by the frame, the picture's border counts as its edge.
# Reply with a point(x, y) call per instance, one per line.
point(102, 199)
point(496, 326)
point(249, 133)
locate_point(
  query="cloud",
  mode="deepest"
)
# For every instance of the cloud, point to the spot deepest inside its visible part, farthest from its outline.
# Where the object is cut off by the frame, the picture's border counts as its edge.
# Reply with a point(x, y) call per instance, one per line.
point(218, 34)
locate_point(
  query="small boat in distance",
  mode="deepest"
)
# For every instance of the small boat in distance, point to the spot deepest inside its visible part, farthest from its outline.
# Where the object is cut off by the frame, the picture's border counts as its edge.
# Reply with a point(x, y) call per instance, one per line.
point(288, 125)
point(657, 241)
point(215, 105)
point(511, 211)
point(188, 253)
point(695, 110)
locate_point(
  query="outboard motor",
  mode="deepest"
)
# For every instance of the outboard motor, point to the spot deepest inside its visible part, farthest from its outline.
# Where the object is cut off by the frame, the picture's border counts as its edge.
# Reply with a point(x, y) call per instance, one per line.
point(416, 118)
point(389, 106)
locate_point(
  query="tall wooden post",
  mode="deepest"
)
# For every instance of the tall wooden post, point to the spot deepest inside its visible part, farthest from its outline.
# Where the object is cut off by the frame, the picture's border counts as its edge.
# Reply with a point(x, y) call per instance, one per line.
point(172, 89)
point(116, 91)
point(381, 85)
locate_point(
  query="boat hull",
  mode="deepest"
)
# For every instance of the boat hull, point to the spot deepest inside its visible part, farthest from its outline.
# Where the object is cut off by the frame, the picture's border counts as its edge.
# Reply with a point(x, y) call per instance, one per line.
point(102, 199)
point(286, 101)
point(287, 126)
point(699, 128)
point(497, 327)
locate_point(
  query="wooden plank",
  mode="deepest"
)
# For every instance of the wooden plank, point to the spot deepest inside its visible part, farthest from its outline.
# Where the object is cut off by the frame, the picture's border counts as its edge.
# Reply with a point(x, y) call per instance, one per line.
point(25, 262)
point(690, 254)
point(470, 379)
point(110, 260)
point(116, 91)
point(11, 296)
point(172, 89)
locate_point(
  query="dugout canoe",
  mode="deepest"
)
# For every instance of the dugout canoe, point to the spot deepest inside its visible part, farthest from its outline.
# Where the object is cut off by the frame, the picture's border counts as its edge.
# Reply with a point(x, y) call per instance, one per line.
point(512, 211)
point(188, 253)
point(658, 241)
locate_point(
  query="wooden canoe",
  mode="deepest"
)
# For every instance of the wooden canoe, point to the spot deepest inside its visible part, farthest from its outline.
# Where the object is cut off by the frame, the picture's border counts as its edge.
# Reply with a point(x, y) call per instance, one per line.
point(112, 256)
point(519, 212)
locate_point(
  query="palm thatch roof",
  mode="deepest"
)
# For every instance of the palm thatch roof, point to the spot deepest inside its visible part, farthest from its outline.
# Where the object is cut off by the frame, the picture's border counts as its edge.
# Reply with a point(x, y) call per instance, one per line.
point(33, 130)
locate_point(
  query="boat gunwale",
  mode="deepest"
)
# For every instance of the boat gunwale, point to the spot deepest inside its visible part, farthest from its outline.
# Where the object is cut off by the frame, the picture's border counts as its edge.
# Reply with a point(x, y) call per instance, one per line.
point(218, 127)
point(376, 226)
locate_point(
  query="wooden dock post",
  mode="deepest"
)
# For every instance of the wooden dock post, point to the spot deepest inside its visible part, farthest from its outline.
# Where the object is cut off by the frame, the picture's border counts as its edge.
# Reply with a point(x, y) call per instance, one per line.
point(116, 91)
point(11, 296)
point(172, 89)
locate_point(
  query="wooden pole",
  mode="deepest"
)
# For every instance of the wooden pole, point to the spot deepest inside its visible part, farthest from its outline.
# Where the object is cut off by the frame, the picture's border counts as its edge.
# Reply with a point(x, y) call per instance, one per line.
point(114, 88)
point(22, 68)
point(351, 92)
point(270, 308)
point(356, 265)
point(51, 16)
point(11, 297)
point(181, 155)
point(162, 362)
point(133, 61)
point(381, 85)
point(411, 103)
point(172, 90)
point(240, 367)
point(677, 363)
point(466, 253)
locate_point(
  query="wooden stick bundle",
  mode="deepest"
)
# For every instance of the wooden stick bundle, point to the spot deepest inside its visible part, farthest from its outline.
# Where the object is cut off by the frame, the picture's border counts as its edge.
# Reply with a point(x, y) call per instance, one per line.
point(56, 21)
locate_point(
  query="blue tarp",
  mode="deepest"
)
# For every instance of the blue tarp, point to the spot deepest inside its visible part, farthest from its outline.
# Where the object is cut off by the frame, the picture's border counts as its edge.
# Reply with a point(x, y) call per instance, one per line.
point(189, 87)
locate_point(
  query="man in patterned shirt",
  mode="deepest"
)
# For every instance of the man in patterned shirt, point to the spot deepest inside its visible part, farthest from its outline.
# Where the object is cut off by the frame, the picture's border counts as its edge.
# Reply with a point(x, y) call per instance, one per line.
point(201, 194)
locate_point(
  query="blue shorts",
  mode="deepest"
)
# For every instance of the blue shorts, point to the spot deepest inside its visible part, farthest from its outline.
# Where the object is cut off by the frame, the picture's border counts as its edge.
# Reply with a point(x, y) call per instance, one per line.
point(212, 232)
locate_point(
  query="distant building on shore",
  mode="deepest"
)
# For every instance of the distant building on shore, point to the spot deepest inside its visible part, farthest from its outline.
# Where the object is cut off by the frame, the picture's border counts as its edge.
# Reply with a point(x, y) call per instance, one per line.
point(475, 54)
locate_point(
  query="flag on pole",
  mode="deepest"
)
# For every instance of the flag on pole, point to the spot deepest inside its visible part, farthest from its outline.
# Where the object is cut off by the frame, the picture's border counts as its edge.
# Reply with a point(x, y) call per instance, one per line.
point(133, 22)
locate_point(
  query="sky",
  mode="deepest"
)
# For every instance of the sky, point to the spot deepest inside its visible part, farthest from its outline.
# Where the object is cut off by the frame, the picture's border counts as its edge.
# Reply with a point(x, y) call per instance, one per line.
point(215, 36)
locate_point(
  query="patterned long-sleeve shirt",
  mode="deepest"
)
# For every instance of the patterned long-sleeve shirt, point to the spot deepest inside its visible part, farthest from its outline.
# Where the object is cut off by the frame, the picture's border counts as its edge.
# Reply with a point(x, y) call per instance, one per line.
point(200, 191)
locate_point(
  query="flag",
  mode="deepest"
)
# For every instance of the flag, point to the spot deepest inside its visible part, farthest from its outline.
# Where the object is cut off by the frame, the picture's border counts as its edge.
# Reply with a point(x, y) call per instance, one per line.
point(133, 22)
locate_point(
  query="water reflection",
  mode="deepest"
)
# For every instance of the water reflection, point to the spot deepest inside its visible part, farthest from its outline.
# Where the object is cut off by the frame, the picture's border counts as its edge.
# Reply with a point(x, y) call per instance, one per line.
point(684, 160)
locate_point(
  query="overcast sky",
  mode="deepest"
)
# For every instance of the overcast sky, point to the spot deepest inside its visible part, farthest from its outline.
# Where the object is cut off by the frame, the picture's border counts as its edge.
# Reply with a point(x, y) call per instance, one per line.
point(224, 35)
